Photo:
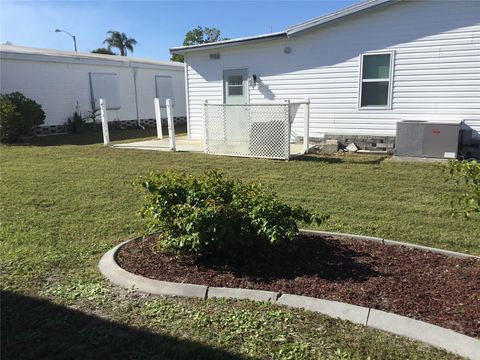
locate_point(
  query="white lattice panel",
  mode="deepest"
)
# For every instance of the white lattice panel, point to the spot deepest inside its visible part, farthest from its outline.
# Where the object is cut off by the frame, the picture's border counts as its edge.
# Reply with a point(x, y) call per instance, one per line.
point(259, 130)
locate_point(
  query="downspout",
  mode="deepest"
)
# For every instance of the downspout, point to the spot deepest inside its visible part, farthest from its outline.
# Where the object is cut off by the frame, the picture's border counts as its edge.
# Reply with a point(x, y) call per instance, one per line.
point(187, 98)
point(134, 71)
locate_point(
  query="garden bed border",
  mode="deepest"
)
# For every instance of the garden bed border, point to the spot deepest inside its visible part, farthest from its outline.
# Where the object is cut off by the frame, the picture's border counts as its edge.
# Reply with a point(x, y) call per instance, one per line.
point(430, 334)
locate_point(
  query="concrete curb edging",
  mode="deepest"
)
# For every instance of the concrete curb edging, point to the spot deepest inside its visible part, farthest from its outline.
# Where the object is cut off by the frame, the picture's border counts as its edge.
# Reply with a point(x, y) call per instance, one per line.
point(112, 271)
point(335, 309)
point(242, 294)
point(433, 335)
point(393, 242)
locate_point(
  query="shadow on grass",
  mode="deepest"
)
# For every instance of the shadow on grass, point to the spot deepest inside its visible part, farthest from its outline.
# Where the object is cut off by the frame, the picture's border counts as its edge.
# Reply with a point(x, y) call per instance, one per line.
point(38, 329)
point(354, 159)
point(96, 137)
point(307, 256)
point(319, 158)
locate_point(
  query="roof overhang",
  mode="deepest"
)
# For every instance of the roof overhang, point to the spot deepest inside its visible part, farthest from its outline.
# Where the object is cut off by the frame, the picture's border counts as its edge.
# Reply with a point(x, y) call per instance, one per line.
point(342, 14)
point(292, 31)
point(228, 43)
point(13, 52)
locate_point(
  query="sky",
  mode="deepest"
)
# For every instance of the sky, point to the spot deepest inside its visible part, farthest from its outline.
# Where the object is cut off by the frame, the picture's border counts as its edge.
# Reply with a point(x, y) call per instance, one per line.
point(156, 25)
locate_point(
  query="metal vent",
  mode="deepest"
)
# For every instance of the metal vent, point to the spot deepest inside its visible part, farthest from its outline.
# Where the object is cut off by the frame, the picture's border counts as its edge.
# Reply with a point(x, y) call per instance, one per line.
point(214, 56)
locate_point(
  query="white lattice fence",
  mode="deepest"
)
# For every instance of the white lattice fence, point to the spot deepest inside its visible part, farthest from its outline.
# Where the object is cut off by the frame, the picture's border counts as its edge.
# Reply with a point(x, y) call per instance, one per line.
point(253, 130)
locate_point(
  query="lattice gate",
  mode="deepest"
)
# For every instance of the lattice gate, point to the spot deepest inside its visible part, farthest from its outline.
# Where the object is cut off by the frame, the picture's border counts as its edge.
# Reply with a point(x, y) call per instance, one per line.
point(252, 130)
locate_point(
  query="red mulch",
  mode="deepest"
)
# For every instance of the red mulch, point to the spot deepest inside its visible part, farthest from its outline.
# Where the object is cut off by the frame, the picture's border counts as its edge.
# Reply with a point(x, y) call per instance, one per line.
point(430, 287)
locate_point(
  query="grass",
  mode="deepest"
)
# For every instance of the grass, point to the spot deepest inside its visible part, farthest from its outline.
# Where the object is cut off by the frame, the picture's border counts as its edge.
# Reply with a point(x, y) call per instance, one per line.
point(66, 200)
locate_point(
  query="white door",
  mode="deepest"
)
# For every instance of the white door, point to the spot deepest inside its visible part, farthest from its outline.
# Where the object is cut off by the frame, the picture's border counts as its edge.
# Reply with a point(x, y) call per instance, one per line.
point(235, 93)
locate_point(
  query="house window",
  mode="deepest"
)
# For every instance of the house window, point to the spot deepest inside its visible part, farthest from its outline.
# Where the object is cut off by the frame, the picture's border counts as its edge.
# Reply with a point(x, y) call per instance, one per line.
point(235, 85)
point(105, 86)
point(376, 80)
point(164, 89)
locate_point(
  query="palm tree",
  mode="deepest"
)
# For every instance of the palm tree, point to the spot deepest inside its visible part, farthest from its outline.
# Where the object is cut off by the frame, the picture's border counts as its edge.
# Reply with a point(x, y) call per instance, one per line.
point(120, 41)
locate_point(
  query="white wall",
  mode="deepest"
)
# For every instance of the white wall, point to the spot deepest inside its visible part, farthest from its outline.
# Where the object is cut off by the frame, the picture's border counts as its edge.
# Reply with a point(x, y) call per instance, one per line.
point(436, 72)
point(57, 85)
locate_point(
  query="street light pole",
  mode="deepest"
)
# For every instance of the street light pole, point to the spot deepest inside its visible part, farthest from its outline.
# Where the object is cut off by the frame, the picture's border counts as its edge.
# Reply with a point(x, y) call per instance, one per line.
point(73, 37)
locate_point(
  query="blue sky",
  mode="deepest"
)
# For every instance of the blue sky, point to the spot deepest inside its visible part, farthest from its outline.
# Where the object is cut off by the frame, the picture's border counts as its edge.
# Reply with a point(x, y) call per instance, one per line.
point(157, 25)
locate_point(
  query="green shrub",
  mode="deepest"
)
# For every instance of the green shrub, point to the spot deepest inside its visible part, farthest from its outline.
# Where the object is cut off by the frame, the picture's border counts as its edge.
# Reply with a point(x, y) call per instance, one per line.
point(213, 214)
point(18, 116)
point(466, 175)
point(75, 124)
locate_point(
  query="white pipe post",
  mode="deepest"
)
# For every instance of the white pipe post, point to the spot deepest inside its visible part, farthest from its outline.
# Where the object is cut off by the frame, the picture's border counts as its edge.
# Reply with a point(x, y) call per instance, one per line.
point(158, 118)
point(104, 117)
point(171, 128)
point(306, 126)
point(289, 122)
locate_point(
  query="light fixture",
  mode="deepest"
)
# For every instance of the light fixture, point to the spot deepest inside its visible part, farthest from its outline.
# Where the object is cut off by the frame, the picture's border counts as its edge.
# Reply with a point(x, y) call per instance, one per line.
point(73, 37)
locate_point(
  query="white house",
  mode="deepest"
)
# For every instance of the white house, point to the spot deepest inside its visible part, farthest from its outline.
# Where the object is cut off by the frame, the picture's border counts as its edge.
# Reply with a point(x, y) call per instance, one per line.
point(364, 68)
point(58, 80)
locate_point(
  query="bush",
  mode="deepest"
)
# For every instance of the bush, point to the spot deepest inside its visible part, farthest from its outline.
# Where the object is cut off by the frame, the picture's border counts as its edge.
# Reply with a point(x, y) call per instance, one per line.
point(75, 124)
point(466, 175)
point(212, 214)
point(18, 116)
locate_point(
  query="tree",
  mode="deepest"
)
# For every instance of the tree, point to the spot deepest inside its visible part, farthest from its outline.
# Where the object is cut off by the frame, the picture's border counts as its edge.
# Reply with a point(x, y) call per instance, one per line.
point(198, 36)
point(120, 41)
point(18, 116)
point(105, 51)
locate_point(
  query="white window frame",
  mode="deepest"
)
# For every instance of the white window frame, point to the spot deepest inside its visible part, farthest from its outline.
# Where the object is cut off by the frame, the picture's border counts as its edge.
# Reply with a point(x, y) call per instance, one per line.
point(389, 79)
point(235, 86)
point(223, 81)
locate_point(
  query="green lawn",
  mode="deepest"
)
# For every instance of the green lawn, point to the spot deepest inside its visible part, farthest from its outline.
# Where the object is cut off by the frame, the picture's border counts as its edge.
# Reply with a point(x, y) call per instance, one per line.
point(67, 199)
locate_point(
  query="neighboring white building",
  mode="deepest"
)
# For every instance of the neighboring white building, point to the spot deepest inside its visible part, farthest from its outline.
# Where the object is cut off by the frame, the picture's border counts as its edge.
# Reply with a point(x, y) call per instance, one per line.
point(364, 68)
point(59, 79)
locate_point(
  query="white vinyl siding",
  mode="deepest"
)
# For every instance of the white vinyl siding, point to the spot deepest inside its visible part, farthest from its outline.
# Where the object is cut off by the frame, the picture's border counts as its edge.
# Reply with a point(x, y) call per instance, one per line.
point(435, 70)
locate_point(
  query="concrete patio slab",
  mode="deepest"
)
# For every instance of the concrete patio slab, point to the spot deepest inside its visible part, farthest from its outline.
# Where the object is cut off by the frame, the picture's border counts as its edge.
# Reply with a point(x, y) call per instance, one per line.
point(183, 144)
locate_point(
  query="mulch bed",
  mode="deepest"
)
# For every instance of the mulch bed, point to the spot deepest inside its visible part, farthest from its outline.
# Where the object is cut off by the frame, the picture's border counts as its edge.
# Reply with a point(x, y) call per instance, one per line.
point(422, 285)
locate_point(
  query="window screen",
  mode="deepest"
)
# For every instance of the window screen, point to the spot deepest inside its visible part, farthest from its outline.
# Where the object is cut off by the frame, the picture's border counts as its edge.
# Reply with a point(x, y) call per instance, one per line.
point(105, 86)
point(164, 89)
point(235, 85)
point(375, 80)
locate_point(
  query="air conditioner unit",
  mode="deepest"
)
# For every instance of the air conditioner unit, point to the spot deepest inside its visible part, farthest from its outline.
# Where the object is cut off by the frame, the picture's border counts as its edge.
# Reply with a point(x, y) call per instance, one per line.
point(427, 139)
